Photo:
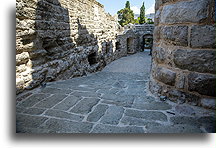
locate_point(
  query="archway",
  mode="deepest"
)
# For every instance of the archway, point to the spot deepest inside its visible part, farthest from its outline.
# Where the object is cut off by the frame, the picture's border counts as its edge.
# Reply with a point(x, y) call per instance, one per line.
point(130, 47)
point(147, 42)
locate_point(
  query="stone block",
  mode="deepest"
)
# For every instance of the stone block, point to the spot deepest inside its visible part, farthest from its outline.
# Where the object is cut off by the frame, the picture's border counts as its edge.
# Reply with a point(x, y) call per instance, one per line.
point(112, 115)
point(156, 35)
point(203, 36)
point(63, 115)
point(153, 106)
point(137, 122)
point(101, 128)
point(51, 101)
point(195, 60)
point(65, 126)
point(29, 121)
point(147, 115)
point(67, 103)
point(184, 120)
point(159, 55)
point(185, 12)
point(165, 75)
point(208, 103)
point(32, 100)
point(175, 35)
point(204, 84)
point(209, 123)
point(97, 113)
point(179, 128)
point(34, 111)
point(84, 106)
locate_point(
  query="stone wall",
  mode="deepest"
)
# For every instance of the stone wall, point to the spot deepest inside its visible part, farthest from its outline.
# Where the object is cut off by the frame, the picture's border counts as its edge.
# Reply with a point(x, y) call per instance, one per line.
point(61, 39)
point(184, 56)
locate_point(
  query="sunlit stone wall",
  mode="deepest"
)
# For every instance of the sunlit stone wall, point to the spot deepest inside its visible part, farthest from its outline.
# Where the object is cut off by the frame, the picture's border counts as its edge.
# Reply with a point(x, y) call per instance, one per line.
point(61, 39)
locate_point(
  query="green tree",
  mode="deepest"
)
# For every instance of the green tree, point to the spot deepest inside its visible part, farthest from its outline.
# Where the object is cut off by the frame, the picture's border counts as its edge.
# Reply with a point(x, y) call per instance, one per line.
point(142, 14)
point(127, 5)
point(126, 15)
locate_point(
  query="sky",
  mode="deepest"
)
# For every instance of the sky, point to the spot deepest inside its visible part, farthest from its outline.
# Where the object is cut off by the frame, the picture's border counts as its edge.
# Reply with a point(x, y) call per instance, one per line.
point(112, 6)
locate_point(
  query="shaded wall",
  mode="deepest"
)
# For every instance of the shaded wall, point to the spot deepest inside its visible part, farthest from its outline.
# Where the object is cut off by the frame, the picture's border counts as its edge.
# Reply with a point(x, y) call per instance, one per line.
point(184, 57)
point(55, 39)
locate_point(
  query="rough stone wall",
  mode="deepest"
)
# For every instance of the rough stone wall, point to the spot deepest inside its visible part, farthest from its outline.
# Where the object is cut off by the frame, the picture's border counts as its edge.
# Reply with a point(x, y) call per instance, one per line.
point(61, 39)
point(184, 56)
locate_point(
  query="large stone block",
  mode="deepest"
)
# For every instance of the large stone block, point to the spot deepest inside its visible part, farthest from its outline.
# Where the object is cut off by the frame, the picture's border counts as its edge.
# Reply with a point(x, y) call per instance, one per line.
point(185, 12)
point(203, 36)
point(204, 84)
point(195, 60)
point(176, 35)
point(159, 54)
point(165, 75)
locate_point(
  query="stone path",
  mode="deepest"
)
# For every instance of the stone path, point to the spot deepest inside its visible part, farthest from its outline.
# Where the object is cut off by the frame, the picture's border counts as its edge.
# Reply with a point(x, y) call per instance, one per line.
point(115, 100)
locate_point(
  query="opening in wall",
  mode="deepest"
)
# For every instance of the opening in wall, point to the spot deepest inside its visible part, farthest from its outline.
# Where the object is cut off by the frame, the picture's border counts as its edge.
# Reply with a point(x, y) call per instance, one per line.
point(118, 45)
point(129, 45)
point(92, 58)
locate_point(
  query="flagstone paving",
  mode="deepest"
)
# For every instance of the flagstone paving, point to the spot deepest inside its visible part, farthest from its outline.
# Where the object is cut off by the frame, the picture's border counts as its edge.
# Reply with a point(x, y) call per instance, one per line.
point(115, 100)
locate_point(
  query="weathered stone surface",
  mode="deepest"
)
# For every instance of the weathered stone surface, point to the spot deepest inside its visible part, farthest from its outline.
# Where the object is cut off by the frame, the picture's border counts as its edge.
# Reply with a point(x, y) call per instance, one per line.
point(209, 123)
point(32, 100)
point(204, 84)
point(147, 115)
point(184, 120)
point(56, 91)
point(29, 121)
point(160, 54)
point(34, 111)
point(208, 102)
point(195, 60)
point(84, 106)
point(174, 129)
point(185, 12)
point(125, 100)
point(51, 101)
point(176, 35)
point(67, 103)
point(184, 110)
point(64, 126)
point(64, 115)
point(203, 36)
point(165, 75)
point(153, 106)
point(97, 113)
point(100, 128)
point(85, 94)
point(112, 115)
point(137, 122)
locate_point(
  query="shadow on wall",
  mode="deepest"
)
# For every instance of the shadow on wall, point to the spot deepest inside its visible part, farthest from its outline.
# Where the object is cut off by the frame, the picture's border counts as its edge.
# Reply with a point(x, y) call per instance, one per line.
point(55, 53)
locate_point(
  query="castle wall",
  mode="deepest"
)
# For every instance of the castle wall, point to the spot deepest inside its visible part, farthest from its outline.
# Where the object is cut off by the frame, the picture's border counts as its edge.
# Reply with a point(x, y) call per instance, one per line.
point(61, 39)
point(183, 67)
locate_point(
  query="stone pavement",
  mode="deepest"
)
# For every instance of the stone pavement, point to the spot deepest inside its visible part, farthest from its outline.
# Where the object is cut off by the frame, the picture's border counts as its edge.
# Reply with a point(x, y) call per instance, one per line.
point(115, 100)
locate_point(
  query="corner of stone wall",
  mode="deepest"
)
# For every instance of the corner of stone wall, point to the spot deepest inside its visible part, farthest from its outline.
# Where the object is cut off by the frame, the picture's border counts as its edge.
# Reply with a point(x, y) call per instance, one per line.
point(183, 67)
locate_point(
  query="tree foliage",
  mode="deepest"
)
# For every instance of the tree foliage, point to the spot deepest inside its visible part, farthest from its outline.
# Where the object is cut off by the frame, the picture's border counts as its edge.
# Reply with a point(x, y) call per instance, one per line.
point(127, 5)
point(126, 15)
point(142, 14)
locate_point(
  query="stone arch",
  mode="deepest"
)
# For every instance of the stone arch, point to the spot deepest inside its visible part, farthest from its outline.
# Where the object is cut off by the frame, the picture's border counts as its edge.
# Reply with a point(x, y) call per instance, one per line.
point(147, 41)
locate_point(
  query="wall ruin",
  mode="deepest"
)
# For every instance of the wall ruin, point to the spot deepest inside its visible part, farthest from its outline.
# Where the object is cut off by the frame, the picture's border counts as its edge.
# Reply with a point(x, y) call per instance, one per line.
point(61, 39)
point(183, 67)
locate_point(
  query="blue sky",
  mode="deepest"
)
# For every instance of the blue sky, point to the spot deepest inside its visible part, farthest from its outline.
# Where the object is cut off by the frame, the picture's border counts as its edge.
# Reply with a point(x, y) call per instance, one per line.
point(112, 6)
